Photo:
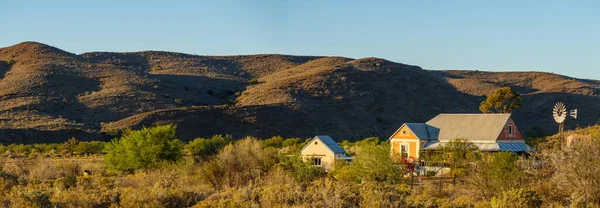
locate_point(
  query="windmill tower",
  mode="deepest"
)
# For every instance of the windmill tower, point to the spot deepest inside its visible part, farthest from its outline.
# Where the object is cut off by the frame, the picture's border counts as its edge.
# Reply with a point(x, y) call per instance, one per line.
point(560, 114)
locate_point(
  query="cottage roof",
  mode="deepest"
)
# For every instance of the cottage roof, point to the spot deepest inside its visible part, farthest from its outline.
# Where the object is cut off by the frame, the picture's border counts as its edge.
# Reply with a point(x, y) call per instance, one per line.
point(502, 146)
point(424, 131)
point(475, 127)
point(329, 142)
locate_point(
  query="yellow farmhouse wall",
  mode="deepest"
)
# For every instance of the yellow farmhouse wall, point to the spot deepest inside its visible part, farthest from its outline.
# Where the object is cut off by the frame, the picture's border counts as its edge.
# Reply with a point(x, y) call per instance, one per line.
point(405, 136)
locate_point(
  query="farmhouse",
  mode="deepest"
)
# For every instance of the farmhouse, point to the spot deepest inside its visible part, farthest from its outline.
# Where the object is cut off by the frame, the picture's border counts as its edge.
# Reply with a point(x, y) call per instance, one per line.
point(489, 132)
point(323, 151)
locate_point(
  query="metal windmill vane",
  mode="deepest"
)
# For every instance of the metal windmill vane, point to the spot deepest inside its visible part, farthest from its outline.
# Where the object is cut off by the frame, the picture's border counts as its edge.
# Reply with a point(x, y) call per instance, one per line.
point(560, 114)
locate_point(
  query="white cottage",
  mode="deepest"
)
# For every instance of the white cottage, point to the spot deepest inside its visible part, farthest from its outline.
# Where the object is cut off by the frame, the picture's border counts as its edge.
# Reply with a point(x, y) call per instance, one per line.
point(323, 151)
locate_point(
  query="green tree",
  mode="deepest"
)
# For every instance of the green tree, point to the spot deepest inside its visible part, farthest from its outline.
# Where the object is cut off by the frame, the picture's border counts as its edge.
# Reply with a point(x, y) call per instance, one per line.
point(503, 100)
point(144, 148)
point(460, 153)
point(372, 163)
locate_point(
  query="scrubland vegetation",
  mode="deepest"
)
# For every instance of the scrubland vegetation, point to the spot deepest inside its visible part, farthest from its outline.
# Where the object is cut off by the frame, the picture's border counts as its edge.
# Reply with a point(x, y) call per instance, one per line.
point(152, 168)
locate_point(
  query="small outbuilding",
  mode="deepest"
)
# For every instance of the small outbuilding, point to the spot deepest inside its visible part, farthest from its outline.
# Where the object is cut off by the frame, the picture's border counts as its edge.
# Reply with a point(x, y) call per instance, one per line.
point(323, 151)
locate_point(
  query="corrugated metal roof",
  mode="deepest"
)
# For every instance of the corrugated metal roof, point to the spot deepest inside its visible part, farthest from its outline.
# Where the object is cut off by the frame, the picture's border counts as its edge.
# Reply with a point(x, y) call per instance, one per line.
point(424, 131)
point(474, 127)
point(504, 146)
point(329, 142)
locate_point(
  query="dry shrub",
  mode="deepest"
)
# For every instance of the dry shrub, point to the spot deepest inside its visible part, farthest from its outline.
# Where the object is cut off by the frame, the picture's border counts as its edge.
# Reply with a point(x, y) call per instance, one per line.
point(232, 197)
point(374, 194)
point(279, 189)
point(171, 186)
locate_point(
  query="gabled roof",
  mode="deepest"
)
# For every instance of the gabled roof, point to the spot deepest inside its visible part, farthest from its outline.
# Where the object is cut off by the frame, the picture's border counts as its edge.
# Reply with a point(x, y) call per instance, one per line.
point(328, 142)
point(424, 131)
point(475, 127)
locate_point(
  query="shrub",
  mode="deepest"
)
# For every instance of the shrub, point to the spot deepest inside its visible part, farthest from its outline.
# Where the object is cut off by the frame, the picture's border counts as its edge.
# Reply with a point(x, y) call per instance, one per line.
point(202, 148)
point(157, 68)
point(178, 100)
point(291, 142)
point(10, 62)
point(89, 148)
point(373, 163)
point(276, 141)
point(144, 148)
point(302, 171)
point(238, 163)
point(253, 81)
point(518, 198)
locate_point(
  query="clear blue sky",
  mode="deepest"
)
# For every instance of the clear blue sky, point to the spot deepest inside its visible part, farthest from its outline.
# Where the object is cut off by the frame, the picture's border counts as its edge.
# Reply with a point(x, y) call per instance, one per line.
point(552, 36)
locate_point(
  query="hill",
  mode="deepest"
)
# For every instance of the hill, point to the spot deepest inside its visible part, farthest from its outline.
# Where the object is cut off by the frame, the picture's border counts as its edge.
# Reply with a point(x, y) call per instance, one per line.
point(50, 95)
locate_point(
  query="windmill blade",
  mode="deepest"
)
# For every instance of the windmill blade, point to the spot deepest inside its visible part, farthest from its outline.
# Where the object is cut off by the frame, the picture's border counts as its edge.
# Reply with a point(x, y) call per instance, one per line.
point(559, 112)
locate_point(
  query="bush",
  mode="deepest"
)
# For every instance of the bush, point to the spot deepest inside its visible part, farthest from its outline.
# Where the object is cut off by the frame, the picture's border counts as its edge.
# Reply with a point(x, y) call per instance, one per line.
point(144, 148)
point(373, 163)
point(202, 148)
point(89, 148)
point(302, 171)
point(518, 198)
point(253, 81)
point(178, 101)
point(276, 141)
point(10, 62)
point(157, 68)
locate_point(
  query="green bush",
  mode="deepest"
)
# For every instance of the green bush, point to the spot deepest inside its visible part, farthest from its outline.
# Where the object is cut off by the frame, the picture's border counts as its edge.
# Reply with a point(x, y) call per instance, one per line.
point(157, 68)
point(518, 198)
point(10, 62)
point(202, 148)
point(291, 142)
point(253, 81)
point(144, 148)
point(276, 141)
point(89, 148)
point(301, 170)
point(178, 100)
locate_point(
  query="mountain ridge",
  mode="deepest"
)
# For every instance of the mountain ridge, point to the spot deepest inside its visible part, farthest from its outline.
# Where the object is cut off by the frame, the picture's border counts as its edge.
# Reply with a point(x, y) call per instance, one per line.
point(48, 93)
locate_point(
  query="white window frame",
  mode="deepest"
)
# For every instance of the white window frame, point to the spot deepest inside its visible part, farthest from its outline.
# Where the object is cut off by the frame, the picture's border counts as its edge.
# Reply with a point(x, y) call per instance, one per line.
point(511, 131)
point(315, 159)
point(404, 144)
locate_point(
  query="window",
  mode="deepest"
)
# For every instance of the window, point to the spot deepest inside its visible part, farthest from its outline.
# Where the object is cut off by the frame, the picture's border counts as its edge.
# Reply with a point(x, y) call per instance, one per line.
point(510, 130)
point(317, 161)
point(404, 151)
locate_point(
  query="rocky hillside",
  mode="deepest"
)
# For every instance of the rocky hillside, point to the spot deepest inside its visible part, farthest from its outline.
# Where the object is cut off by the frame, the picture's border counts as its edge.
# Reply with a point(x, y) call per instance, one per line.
point(50, 95)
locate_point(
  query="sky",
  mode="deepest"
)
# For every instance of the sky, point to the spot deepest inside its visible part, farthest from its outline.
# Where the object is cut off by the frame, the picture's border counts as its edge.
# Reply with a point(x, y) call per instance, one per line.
point(553, 36)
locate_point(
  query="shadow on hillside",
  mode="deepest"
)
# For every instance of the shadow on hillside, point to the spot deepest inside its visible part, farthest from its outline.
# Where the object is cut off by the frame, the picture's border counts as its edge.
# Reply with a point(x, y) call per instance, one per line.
point(536, 110)
point(30, 136)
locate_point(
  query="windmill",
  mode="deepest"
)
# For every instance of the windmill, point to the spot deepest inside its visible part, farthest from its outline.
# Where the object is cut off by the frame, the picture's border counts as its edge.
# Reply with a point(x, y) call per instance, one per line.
point(560, 114)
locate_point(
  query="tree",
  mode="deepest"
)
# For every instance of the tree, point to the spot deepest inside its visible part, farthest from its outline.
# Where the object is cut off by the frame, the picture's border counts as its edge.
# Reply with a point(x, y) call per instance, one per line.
point(144, 148)
point(461, 153)
point(373, 163)
point(503, 100)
